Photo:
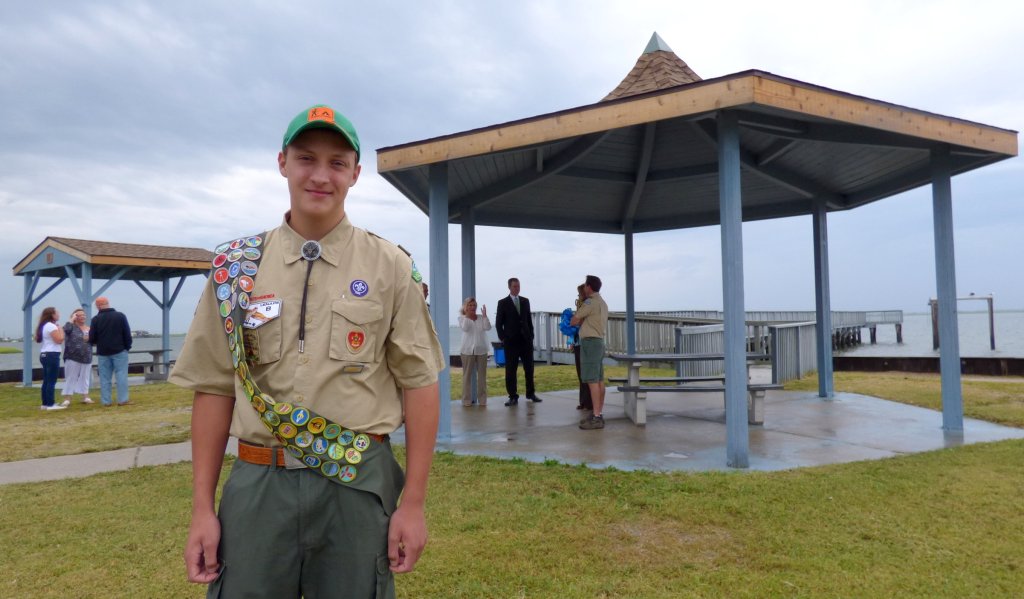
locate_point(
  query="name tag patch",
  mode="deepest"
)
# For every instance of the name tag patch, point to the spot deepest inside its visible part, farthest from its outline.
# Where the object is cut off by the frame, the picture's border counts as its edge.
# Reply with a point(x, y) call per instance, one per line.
point(261, 312)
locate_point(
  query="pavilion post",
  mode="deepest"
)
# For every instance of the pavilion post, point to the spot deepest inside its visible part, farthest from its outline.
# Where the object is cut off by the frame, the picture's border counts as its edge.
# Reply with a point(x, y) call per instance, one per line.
point(945, 281)
point(87, 297)
point(165, 320)
point(822, 301)
point(630, 296)
point(438, 211)
point(469, 270)
point(26, 330)
point(731, 210)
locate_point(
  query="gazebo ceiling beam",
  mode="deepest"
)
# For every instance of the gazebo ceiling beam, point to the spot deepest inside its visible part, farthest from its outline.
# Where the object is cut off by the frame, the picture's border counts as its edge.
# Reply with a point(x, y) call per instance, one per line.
point(661, 176)
point(527, 221)
point(711, 217)
point(830, 132)
point(779, 176)
point(579, 149)
point(401, 180)
point(643, 167)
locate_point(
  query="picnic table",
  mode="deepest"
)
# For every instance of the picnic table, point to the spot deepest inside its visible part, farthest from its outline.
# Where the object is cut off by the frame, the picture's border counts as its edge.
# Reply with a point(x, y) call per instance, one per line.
point(159, 368)
point(634, 392)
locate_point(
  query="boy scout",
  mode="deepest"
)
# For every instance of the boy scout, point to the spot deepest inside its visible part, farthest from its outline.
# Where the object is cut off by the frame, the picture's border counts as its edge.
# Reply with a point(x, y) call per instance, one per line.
point(310, 345)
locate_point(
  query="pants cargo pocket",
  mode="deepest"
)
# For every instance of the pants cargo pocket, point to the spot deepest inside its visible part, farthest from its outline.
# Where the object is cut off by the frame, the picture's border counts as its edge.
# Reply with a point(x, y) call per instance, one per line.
point(385, 579)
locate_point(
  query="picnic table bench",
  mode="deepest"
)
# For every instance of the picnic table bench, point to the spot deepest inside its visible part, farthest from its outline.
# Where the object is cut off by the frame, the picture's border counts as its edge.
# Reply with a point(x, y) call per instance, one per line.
point(634, 392)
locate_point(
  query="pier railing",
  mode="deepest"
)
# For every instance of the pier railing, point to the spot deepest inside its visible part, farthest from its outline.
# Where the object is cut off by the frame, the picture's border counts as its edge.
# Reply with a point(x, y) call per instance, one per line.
point(788, 337)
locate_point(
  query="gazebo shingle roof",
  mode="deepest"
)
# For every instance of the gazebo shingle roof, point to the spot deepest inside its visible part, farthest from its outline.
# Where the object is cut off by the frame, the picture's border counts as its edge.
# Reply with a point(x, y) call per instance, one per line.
point(135, 250)
point(657, 68)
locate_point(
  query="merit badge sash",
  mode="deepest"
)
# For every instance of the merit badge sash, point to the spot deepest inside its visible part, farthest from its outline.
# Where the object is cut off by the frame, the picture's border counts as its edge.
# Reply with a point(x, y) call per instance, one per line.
point(342, 455)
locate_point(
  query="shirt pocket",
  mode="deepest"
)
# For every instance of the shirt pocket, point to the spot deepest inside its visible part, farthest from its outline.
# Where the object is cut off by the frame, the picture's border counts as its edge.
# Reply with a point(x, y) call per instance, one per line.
point(263, 344)
point(355, 329)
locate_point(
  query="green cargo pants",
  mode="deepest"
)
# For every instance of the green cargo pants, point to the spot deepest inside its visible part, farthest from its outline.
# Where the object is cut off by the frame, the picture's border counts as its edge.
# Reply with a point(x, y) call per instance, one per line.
point(293, 533)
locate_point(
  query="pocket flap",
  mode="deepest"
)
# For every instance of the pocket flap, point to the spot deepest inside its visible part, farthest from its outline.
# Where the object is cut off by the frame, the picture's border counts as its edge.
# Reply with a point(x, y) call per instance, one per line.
point(358, 312)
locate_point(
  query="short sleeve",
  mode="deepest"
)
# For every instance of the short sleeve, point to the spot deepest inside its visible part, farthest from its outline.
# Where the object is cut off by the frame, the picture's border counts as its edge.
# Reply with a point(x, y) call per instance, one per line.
point(204, 363)
point(412, 350)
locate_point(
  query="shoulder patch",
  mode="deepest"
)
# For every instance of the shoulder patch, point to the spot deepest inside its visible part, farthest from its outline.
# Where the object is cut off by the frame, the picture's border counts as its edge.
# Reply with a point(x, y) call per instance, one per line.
point(587, 301)
point(416, 276)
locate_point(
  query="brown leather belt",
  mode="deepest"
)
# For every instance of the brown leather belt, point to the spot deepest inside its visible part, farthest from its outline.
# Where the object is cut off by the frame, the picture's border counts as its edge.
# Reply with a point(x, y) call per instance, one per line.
point(263, 456)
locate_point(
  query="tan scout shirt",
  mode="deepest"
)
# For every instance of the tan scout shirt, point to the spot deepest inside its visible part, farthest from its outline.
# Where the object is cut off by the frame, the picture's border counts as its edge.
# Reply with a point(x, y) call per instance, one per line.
point(594, 313)
point(368, 335)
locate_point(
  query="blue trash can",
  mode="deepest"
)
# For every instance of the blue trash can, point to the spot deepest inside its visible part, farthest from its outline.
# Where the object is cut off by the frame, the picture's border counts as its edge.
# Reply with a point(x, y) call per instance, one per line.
point(499, 353)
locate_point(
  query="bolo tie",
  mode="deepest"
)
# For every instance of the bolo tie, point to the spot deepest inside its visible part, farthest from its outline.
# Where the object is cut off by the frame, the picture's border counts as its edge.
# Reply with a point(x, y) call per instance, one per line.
point(310, 253)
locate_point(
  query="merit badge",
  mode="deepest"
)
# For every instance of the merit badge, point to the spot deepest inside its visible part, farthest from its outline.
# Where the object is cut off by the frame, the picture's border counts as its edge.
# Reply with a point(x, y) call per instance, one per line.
point(319, 445)
point(219, 260)
point(283, 408)
point(295, 451)
point(416, 276)
point(280, 439)
point(330, 469)
point(352, 455)
point(316, 425)
point(220, 249)
point(335, 451)
point(355, 341)
point(361, 442)
point(261, 312)
point(271, 418)
point(243, 300)
point(229, 325)
point(346, 437)
point(249, 268)
point(359, 288)
point(287, 430)
point(236, 244)
point(224, 292)
point(245, 283)
point(253, 241)
point(220, 275)
point(251, 254)
point(259, 404)
point(225, 309)
point(234, 255)
point(347, 474)
point(304, 439)
point(300, 416)
point(234, 269)
point(332, 431)
point(312, 461)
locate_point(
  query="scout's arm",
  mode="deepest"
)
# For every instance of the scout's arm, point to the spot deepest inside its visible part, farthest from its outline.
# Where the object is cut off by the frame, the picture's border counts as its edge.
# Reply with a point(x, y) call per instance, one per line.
point(407, 533)
point(211, 420)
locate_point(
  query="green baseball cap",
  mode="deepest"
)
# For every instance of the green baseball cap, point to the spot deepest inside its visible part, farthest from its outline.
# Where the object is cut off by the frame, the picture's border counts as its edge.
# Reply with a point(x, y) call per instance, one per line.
point(322, 116)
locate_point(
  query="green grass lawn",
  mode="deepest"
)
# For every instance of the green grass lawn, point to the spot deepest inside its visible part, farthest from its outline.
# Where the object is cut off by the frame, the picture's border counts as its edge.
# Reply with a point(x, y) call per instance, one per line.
point(938, 524)
point(9, 350)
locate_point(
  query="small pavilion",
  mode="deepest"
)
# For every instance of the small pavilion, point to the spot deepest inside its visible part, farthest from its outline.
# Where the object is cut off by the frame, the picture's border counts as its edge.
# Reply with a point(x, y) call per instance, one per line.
point(82, 262)
point(669, 150)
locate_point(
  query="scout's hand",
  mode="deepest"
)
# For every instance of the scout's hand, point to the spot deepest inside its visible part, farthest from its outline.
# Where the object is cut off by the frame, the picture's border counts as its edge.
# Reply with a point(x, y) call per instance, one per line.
point(483, 310)
point(407, 535)
point(201, 549)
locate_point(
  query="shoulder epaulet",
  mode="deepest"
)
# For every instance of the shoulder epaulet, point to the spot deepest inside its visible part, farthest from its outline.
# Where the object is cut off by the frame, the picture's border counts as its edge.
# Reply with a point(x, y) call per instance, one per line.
point(405, 251)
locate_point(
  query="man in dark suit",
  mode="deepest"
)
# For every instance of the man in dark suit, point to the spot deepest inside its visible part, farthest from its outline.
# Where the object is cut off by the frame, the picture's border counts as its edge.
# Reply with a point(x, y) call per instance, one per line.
point(515, 330)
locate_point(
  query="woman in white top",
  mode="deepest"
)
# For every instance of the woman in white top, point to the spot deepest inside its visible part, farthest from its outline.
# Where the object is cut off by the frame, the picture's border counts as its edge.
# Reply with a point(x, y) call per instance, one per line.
point(50, 336)
point(474, 351)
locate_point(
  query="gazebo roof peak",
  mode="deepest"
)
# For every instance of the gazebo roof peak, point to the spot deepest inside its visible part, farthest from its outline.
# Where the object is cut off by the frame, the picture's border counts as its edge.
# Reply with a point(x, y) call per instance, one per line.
point(657, 68)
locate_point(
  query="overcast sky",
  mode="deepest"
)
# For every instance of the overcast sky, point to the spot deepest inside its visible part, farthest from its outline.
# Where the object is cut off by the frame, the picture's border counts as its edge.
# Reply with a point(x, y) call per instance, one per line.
point(160, 123)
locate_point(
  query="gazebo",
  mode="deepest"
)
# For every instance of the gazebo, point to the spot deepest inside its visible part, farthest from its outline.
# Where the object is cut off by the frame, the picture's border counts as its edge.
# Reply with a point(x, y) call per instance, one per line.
point(668, 150)
point(82, 262)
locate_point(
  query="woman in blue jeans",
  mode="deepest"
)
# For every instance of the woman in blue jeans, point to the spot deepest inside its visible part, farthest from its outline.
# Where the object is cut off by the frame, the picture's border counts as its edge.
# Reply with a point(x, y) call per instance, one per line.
point(50, 337)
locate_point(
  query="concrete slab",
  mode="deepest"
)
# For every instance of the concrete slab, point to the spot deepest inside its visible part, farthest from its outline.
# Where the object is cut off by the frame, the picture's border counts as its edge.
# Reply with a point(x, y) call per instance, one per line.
point(687, 432)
